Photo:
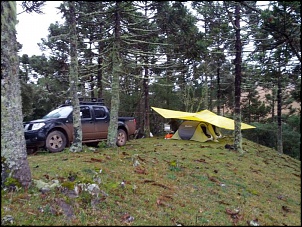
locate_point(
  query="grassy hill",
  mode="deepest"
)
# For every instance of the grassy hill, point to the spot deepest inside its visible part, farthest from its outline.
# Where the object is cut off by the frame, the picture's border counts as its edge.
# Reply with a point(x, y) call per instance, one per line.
point(153, 181)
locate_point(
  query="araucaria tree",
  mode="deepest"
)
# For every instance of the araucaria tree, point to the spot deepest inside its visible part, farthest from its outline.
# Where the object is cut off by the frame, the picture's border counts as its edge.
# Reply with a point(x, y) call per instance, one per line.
point(116, 62)
point(74, 81)
point(15, 171)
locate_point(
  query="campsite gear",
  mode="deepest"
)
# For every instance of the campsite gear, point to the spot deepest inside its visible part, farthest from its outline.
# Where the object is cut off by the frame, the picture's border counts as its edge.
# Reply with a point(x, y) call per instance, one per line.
point(200, 126)
point(168, 136)
point(198, 131)
point(167, 128)
point(174, 125)
point(202, 116)
point(171, 126)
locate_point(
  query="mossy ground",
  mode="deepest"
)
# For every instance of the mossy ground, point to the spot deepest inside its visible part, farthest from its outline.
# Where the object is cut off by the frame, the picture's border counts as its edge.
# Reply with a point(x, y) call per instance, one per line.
point(167, 182)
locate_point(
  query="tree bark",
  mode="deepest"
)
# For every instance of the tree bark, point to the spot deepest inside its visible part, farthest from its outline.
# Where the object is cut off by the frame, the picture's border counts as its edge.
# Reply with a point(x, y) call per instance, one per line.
point(115, 96)
point(74, 80)
point(279, 117)
point(238, 60)
point(218, 91)
point(146, 98)
point(15, 171)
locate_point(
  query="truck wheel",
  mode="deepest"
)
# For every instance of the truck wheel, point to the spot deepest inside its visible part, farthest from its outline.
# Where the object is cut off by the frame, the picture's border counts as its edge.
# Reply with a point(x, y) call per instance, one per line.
point(55, 141)
point(121, 138)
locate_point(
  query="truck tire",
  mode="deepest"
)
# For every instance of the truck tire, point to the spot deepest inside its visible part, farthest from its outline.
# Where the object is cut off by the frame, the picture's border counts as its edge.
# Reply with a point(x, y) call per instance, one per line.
point(121, 138)
point(56, 141)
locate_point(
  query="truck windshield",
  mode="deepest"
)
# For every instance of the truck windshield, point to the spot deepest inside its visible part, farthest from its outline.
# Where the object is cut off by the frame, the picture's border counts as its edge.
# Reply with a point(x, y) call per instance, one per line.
point(61, 112)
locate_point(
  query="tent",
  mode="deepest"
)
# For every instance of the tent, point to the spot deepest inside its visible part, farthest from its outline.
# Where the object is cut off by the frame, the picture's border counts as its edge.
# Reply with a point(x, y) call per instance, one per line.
point(204, 116)
point(200, 126)
point(198, 131)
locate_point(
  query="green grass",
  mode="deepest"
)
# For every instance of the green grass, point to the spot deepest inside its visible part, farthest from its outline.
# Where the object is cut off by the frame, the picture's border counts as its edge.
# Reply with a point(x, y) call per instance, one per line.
point(174, 182)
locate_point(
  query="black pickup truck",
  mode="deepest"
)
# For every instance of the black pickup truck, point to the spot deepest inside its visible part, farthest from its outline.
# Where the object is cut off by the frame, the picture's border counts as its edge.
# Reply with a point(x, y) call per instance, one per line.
point(54, 131)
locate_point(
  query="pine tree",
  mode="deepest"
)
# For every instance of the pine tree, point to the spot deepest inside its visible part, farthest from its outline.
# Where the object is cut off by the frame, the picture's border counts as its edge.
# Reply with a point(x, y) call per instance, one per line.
point(15, 171)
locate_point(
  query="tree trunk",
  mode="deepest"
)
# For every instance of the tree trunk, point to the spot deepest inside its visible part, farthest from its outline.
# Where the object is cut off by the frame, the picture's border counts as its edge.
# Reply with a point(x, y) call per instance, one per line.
point(92, 92)
point(73, 80)
point(238, 60)
point(218, 91)
point(15, 171)
point(115, 95)
point(100, 72)
point(279, 101)
point(206, 93)
point(273, 104)
point(146, 97)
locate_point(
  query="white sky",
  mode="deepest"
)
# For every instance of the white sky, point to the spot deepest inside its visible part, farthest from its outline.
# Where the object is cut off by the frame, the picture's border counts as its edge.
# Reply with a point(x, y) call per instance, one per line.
point(33, 27)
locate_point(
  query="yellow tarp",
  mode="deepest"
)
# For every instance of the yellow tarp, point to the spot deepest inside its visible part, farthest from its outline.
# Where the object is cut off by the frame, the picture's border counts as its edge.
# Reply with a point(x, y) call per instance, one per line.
point(204, 115)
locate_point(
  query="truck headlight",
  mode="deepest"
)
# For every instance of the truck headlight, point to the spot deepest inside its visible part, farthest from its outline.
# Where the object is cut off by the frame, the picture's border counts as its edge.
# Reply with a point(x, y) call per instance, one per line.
point(37, 126)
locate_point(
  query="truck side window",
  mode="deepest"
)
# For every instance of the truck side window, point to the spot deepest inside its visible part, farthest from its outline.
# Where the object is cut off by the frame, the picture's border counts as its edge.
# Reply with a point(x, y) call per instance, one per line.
point(85, 112)
point(99, 112)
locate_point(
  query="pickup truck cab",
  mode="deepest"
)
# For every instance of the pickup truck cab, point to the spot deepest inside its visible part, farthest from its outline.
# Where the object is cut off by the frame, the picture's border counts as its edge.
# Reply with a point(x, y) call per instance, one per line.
point(54, 131)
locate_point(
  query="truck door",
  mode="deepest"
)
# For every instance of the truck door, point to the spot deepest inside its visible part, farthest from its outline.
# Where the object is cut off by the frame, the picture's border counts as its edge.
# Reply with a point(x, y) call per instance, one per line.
point(88, 126)
point(101, 122)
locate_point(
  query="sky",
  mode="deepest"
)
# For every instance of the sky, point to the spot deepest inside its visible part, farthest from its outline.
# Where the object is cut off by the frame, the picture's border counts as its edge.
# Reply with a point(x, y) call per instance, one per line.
point(33, 27)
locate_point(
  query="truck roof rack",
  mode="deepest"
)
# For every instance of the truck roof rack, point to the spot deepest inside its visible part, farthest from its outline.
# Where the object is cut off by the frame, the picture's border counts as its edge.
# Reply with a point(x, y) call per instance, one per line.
point(86, 101)
point(92, 101)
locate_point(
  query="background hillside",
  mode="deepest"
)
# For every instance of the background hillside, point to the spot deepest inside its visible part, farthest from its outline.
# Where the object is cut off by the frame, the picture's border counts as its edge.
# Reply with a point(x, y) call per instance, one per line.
point(263, 92)
point(154, 181)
